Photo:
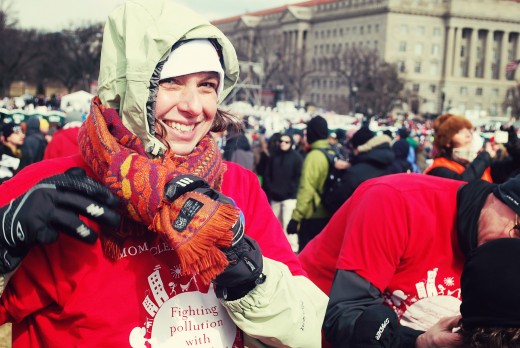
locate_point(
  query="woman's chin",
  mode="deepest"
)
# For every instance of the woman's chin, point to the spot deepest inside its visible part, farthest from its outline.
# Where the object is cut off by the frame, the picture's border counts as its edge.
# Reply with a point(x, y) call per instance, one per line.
point(182, 149)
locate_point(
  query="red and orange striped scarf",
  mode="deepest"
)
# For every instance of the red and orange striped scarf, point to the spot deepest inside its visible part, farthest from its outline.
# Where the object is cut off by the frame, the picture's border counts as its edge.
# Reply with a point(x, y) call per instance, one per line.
point(118, 160)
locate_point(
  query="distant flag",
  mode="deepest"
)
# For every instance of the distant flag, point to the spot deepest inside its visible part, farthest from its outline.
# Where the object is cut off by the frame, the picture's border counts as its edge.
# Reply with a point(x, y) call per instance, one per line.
point(512, 65)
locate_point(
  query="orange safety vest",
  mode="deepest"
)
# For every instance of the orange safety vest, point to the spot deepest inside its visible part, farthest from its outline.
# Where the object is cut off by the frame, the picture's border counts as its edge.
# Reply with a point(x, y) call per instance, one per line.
point(456, 167)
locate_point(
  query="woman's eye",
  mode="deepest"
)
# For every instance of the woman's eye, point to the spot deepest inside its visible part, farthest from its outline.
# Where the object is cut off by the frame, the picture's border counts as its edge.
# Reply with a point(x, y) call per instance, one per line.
point(210, 84)
point(168, 83)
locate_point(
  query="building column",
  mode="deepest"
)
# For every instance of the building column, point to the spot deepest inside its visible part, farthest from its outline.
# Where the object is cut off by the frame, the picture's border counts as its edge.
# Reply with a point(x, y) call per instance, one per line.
point(456, 53)
point(488, 55)
point(299, 42)
point(503, 56)
point(472, 52)
point(517, 54)
point(448, 72)
point(251, 38)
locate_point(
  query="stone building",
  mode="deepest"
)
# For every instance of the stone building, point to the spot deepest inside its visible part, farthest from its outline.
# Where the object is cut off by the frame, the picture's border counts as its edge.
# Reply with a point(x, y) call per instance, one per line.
point(450, 53)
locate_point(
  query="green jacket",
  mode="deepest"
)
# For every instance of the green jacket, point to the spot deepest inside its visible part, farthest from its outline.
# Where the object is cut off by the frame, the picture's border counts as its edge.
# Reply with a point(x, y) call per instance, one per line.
point(314, 174)
point(128, 66)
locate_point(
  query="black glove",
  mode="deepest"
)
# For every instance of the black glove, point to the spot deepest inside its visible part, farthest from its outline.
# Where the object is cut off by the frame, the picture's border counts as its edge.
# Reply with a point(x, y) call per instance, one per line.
point(293, 227)
point(245, 257)
point(512, 145)
point(53, 204)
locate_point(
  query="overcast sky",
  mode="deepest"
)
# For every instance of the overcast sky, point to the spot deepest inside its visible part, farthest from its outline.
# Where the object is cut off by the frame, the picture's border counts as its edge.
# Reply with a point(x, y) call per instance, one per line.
point(54, 15)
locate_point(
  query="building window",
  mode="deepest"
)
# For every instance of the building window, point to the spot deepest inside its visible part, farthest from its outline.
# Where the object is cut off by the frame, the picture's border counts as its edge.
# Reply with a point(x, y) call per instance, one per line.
point(401, 66)
point(493, 110)
point(435, 49)
point(419, 48)
point(416, 87)
point(434, 68)
point(436, 31)
point(417, 67)
point(420, 30)
point(478, 91)
point(494, 92)
point(376, 28)
point(402, 46)
point(369, 29)
point(361, 30)
point(403, 29)
point(464, 91)
point(433, 88)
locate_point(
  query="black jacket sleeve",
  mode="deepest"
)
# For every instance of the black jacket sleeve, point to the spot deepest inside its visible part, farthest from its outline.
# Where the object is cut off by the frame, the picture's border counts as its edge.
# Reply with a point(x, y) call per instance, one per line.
point(474, 171)
point(356, 316)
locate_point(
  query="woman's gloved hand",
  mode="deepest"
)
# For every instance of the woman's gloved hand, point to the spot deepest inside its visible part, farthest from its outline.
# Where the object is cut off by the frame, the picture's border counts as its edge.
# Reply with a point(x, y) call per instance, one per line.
point(244, 255)
point(53, 204)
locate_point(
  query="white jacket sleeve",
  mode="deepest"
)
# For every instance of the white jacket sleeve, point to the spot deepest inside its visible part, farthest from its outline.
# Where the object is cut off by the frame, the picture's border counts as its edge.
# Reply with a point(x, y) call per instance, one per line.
point(284, 311)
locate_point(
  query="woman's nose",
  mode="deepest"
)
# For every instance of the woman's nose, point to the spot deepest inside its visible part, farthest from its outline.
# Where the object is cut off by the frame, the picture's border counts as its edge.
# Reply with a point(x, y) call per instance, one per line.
point(190, 102)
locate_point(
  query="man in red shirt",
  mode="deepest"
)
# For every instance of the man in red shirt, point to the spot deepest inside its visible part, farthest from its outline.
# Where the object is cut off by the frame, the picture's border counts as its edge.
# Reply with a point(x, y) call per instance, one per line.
point(391, 257)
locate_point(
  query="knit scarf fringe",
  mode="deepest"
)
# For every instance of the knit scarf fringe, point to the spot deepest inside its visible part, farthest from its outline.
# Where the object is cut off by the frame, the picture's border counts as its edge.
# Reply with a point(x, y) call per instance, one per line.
point(118, 160)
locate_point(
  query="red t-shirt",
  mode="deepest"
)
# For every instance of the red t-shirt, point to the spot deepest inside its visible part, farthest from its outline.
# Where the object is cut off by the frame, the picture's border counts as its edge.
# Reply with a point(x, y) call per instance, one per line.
point(67, 294)
point(399, 233)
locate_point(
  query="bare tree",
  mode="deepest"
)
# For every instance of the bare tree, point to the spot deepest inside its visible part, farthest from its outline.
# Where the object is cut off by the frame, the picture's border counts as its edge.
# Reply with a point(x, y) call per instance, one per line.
point(19, 49)
point(73, 57)
point(8, 17)
point(295, 72)
point(374, 85)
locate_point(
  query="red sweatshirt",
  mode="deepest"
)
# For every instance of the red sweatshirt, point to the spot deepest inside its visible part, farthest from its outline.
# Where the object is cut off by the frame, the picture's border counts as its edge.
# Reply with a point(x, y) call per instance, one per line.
point(67, 294)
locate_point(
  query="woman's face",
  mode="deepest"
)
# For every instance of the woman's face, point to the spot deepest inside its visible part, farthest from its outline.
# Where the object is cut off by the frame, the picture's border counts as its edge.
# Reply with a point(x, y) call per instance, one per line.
point(463, 138)
point(285, 143)
point(186, 106)
point(16, 138)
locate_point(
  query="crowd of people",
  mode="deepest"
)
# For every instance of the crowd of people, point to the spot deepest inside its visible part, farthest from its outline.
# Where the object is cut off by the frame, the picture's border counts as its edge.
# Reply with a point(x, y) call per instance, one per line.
point(161, 221)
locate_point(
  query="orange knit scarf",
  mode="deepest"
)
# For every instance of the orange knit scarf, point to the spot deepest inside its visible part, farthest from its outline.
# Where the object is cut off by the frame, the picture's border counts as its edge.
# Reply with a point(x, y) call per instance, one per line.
point(118, 160)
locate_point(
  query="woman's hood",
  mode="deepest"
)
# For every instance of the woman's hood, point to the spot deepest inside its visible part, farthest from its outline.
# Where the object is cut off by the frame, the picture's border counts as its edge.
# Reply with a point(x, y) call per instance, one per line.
point(137, 37)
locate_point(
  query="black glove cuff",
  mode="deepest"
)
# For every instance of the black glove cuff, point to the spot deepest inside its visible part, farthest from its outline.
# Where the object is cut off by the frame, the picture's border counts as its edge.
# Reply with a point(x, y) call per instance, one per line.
point(239, 291)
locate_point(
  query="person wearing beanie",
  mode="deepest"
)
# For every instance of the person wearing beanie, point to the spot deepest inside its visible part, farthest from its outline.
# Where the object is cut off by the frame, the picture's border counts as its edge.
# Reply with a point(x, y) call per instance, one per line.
point(457, 158)
point(372, 157)
point(401, 149)
point(10, 150)
point(490, 286)
point(309, 216)
point(399, 243)
point(147, 236)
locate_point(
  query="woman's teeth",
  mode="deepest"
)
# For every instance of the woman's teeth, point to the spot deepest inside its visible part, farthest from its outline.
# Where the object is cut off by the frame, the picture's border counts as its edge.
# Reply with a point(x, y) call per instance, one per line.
point(181, 127)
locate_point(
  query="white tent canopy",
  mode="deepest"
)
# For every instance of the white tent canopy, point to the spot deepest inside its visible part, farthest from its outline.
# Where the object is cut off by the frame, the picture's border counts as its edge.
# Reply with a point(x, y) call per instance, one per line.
point(77, 101)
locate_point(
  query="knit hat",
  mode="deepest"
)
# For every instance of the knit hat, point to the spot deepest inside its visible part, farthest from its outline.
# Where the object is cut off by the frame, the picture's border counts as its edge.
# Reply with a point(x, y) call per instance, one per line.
point(403, 132)
point(401, 149)
point(509, 193)
point(446, 126)
point(191, 57)
point(490, 285)
point(317, 129)
point(363, 135)
point(10, 128)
